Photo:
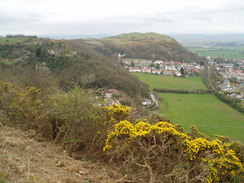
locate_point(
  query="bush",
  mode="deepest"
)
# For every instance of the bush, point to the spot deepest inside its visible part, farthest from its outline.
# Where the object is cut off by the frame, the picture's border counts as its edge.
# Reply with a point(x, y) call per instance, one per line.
point(116, 113)
point(76, 119)
point(24, 106)
point(163, 152)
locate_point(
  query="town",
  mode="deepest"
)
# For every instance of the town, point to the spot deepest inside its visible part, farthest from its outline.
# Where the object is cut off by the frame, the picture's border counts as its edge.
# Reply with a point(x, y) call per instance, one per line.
point(167, 68)
point(231, 75)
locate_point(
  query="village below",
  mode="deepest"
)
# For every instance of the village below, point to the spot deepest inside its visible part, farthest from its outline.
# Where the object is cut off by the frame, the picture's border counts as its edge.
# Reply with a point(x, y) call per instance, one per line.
point(230, 73)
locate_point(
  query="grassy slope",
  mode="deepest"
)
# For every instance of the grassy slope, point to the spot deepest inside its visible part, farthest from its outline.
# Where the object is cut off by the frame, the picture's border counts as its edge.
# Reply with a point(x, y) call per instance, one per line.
point(157, 81)
point(209, 114)
point(141, 36)
point(12, 40)
point(23, 159)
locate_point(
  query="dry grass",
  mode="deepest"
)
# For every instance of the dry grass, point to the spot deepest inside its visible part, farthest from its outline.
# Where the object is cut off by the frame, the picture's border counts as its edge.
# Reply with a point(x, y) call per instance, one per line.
point(26, 159)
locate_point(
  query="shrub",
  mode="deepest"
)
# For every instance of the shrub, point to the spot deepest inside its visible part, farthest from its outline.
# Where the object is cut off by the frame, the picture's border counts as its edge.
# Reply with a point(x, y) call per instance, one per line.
point(76, 118)
point(24, 106)
point(163, 152)
point(116, 113)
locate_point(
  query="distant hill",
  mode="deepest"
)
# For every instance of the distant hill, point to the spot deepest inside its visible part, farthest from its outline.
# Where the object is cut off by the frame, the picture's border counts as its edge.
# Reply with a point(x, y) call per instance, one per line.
point(142, 45)
point(73, 36)
point(201, 38)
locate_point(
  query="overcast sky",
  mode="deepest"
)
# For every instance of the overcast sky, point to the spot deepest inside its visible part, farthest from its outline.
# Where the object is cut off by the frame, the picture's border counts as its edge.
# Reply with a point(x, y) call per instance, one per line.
point(38, 17)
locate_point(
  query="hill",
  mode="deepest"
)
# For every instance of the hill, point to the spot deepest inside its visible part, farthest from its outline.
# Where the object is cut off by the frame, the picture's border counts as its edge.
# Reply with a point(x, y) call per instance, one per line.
point(43, 62)
point(142, 45)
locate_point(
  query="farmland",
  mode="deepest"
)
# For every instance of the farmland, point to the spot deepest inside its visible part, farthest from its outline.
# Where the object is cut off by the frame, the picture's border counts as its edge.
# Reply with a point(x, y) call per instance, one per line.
point(210, 115)
point(231, 52)
point(158, 81)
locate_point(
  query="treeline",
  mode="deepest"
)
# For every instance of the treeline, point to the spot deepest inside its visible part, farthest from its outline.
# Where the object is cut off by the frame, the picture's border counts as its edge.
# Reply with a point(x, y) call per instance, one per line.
point(165, 90)
point(20, 36)
point(231, 101)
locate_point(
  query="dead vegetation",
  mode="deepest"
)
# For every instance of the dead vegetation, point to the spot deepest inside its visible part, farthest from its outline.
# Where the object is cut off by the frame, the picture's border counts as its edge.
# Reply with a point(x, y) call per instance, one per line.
point(25, 158)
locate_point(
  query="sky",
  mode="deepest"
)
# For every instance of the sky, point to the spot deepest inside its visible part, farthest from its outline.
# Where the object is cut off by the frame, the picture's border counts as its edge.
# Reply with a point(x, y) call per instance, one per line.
point(89, 17)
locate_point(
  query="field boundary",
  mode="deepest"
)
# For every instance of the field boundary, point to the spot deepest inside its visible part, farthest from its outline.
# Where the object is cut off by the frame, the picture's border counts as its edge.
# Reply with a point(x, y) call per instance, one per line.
point(165, 90)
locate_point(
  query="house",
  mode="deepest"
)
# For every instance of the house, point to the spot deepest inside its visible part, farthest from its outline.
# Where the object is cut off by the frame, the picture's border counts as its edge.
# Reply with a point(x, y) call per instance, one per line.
point(146, 70)
point(135, 69)
point(177, 73)
point(226, 83)
point(170, 67)
point(146, 102)
point(158, 62)
point(168, 73)
point(120, 55)
point(156, 71)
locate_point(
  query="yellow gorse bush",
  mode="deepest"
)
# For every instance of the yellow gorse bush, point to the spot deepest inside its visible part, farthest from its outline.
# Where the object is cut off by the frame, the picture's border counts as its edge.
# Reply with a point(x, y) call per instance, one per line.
point(117, 112)
point(22, 102)
point(221, 160)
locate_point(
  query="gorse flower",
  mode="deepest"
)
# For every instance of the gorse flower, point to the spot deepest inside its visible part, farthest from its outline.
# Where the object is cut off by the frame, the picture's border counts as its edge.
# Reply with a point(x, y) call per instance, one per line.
point(220, 159)
point(117, 112)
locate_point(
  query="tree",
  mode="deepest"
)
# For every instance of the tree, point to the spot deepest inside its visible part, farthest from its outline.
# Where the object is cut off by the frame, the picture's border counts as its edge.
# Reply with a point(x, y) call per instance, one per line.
point(157, 66)
point(182, 71)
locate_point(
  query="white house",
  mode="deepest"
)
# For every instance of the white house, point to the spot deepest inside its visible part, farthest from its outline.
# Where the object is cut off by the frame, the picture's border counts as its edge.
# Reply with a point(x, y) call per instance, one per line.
point(177, 73)
point(156, 71)
point(146, 70)
point(158, 62)
point(134, 69)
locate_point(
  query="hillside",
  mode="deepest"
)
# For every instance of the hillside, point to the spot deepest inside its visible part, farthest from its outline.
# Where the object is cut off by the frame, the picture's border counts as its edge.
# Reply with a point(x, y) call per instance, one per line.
point(65, 63)
point(24, 159)
point(142, 45)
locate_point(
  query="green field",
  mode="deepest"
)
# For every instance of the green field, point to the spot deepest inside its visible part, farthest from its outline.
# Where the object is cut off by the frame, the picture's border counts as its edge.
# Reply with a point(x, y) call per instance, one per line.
point(158, 81)
point(209, 114)
point(232, 52)
point(12, 40)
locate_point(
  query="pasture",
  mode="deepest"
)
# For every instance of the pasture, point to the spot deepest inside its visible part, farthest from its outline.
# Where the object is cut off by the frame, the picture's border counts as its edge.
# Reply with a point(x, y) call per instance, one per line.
point(169, 82)
point(207, 112)
point(231, 52)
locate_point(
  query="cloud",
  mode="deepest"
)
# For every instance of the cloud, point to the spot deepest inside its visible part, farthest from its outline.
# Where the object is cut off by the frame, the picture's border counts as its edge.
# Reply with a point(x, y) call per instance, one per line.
point(113, 17)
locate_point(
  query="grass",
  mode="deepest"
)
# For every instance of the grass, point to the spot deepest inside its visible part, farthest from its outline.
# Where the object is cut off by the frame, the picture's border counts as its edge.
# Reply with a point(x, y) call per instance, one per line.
point(24, 159)
point(143, 36)
point(93, 42)
point(137, 59)
point(158, 81)
point(232, 52)
point(12, 40)
point(210, 115)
